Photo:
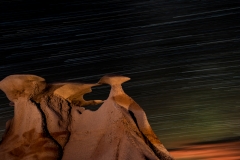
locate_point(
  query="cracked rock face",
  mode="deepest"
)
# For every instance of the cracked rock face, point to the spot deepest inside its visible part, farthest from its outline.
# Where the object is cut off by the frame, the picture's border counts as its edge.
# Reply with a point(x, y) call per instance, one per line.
point(50, 123)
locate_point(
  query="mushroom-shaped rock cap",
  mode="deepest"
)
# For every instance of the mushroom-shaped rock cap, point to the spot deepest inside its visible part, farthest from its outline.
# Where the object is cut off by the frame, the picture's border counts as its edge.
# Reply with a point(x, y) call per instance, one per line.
point(113, 80)
point(15, 86)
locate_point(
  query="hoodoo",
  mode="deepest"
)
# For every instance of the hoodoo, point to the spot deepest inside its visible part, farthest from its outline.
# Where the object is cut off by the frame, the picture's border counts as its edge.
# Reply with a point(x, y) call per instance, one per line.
point(49, 123)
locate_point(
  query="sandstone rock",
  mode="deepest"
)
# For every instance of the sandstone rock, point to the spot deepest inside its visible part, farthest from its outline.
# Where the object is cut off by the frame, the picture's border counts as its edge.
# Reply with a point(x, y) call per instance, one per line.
point(52, 121)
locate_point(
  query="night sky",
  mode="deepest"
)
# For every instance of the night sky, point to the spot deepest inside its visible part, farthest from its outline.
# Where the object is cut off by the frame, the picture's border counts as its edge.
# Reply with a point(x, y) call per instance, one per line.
point(183, 58)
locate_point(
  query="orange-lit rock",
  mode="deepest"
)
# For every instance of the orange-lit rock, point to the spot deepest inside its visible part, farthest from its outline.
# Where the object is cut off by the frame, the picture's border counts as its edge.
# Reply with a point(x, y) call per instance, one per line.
point(50, 122)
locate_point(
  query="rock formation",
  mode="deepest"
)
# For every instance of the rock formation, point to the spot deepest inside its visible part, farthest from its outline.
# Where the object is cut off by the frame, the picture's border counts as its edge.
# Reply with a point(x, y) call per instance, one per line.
point(50, 122)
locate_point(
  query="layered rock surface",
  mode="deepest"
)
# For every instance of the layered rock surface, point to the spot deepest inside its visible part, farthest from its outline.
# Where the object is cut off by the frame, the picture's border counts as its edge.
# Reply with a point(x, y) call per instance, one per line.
point(50, 122)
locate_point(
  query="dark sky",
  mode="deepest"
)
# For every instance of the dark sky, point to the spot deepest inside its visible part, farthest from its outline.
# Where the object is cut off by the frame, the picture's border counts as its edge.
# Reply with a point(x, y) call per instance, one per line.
point(182, 57)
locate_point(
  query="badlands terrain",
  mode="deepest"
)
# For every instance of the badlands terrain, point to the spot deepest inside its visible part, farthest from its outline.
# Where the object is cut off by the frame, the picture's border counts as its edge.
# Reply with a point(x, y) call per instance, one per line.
point(52, 121)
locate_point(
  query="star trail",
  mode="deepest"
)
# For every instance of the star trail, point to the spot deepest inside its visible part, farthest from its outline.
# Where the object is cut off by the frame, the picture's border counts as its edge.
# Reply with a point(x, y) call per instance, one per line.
point(182, 57)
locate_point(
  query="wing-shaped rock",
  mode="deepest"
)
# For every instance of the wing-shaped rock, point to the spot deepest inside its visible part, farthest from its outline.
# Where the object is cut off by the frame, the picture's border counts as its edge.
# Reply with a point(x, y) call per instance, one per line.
point(49, 123)
point(73, 92)
point(112, 132)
